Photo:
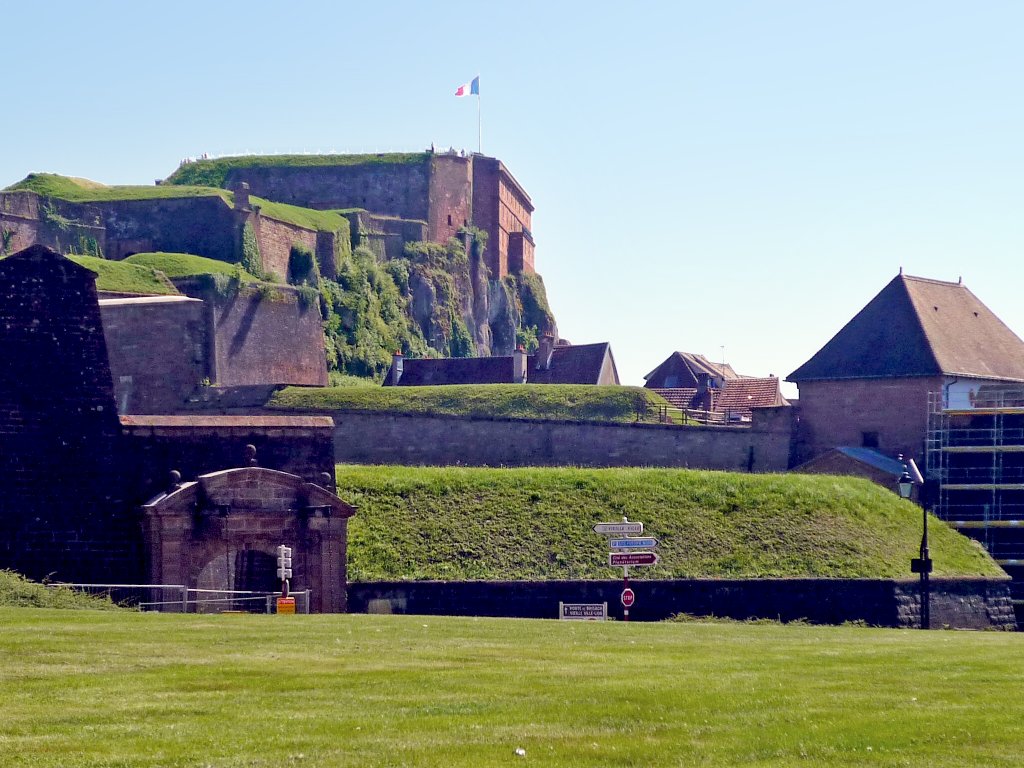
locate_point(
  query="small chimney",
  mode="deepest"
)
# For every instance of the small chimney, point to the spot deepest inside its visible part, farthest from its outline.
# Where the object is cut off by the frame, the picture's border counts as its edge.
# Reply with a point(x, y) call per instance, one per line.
point(396, 368)
point(519, 366)
point(545, 349)
point(242, 197)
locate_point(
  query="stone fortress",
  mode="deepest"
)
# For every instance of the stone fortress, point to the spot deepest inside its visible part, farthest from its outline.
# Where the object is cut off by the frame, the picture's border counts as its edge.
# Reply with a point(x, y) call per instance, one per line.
point(242, 210)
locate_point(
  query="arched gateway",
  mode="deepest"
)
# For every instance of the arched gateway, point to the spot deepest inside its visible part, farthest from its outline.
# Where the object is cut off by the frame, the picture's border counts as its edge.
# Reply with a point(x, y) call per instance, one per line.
point(221, 531)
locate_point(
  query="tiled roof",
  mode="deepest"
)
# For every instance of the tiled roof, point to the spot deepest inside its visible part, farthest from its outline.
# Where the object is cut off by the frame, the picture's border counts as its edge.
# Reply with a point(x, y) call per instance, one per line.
point(737, 396)
point(679, 397)
point(745, 393)
point(919, 327)
point(581, 364)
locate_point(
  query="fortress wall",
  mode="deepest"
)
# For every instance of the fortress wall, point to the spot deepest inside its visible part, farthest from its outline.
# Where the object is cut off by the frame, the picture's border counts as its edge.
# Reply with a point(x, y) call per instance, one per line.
point(61, 508)
point(973, 603)
point(485, 214)
point(19, 215)
point(396, 189)
point(194, 445)
point(157, 352)
point(276, 238)
point(205, 226)
point(451, 196)
point(266, 339)
point(387, 438)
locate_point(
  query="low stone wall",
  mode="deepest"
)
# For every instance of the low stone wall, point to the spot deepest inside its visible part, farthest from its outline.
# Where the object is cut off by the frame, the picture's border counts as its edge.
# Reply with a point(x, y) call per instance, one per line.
point(960, 603)
point(388, 438)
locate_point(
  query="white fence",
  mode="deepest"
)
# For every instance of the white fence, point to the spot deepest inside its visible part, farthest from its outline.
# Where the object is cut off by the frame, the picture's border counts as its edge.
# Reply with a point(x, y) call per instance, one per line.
point(178, 598)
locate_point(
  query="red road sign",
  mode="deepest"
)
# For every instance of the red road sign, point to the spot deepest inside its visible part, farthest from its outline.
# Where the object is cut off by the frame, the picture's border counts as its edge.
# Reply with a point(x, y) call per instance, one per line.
point(628, 598)
point(620, 559)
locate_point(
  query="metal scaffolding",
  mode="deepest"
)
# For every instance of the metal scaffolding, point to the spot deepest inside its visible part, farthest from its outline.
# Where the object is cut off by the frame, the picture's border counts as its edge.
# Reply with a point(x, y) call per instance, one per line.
point(975, 456)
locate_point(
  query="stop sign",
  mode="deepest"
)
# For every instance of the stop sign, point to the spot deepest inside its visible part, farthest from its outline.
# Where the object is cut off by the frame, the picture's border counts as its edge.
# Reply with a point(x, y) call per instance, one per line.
point(627, 597)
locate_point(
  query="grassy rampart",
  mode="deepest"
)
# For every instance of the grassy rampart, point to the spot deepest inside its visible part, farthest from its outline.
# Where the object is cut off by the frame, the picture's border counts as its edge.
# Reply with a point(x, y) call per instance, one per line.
point(462, 523)
point(77, 190)
point(188, 265)
point(215, 172)
point(122, 277)
point(572, 402)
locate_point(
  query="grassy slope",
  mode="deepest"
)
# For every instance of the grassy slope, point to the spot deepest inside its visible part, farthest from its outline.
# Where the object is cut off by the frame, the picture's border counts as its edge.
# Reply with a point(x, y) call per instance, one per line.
point(188, 265)
point(325, 221)
point(121, 277)
point(86, 191)
point(462, 523)
point(143, 690)
point(18, 592)
point(576, 402)
point(214, 173)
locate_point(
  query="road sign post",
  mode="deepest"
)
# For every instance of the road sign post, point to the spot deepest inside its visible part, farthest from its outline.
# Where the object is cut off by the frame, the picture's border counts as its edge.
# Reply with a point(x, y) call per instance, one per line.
point(626, 554)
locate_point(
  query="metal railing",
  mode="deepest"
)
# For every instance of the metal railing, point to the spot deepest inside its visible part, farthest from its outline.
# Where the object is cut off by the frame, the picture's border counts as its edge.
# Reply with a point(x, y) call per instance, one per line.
point(178, 598)
point(669, 414)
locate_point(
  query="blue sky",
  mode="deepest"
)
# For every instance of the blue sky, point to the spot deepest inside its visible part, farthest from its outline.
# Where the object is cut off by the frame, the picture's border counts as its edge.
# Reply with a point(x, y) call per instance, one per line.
point(744, 175)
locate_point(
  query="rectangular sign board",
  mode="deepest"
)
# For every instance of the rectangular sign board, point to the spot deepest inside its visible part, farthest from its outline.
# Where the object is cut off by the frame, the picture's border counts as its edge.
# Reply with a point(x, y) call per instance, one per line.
point(583, 611)
point(646, 542)
point(286, 605)
point(619, 529)
point(620, 559)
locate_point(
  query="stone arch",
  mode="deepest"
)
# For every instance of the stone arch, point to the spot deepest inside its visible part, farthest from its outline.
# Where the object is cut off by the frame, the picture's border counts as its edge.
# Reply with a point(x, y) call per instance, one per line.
point(199, 533)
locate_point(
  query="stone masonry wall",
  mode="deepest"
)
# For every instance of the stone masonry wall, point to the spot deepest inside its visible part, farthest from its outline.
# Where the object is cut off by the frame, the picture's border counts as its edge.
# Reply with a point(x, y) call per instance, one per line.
point(451, 196)
point(62, 505)
point(204, 226)
point(157, 349)
point(276, 239)
point(272, 338)
point(195, 445)
point(837, 413)
point(386, 438)
point(396, 189)
point(966, 603)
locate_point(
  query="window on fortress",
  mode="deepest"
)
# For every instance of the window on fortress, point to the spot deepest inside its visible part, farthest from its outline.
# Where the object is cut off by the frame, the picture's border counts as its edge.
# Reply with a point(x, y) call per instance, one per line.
point(449, 219)
point(869, 439)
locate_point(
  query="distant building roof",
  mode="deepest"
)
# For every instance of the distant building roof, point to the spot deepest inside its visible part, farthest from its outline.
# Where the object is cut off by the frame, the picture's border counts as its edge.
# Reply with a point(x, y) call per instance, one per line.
point(919, 327)
point(737, 396)
point(687, 368)
point(581, 364)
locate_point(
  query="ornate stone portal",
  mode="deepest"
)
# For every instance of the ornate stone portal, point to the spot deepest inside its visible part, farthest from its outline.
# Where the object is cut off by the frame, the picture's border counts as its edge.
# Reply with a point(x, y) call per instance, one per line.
point(221, 531)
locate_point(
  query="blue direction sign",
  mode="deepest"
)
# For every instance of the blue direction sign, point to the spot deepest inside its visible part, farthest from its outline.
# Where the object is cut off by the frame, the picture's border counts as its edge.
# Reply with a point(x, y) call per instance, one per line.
point(618, 529)
point(633, 543)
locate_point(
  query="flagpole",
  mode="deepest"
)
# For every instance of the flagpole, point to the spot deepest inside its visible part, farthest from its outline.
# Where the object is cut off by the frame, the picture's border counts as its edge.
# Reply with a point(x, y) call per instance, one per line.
point(479, 124)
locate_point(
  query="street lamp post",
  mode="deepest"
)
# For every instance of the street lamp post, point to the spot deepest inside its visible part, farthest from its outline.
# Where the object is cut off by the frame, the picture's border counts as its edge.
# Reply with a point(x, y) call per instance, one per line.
point(921, 565)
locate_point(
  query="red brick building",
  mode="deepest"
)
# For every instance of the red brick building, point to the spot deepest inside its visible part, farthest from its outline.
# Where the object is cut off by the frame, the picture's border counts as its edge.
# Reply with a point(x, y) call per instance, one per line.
point(869, 385)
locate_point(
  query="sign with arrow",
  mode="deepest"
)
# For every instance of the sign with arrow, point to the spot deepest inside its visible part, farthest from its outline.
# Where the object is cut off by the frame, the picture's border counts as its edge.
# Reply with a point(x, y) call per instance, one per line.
point(618, 529)
point(647, 542)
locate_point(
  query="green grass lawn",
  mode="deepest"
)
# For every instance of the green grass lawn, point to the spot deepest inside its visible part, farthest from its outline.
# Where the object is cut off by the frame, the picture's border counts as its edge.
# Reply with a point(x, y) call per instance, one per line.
point(459, 523)
point(99, 689)
point(573, 402)
point(122, 277)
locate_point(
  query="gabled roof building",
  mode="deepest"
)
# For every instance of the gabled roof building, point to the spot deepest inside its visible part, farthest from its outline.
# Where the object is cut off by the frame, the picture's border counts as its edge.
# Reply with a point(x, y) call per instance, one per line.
point(552, 364)
point(869, 385)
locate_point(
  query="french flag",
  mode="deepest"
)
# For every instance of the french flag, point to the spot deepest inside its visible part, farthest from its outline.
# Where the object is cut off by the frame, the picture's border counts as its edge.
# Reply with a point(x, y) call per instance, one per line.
point(471, 88)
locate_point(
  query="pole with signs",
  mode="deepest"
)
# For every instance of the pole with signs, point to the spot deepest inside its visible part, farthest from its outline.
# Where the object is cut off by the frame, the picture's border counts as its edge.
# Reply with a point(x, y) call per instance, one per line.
point(625, 554)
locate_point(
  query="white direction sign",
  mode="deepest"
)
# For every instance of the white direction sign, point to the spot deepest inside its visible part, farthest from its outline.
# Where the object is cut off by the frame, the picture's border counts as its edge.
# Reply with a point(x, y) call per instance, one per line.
point(634, 543)
point(618, 529)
